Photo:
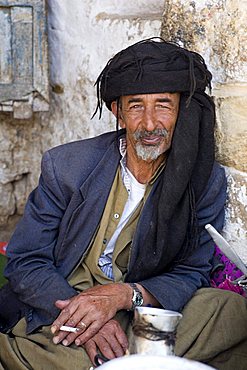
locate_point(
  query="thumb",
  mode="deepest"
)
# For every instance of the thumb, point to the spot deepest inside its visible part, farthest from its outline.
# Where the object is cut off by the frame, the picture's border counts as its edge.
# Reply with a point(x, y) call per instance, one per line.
point(62, 304)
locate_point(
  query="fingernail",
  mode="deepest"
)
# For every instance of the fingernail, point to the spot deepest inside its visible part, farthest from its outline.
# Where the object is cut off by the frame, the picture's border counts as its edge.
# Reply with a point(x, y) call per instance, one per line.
point(53, 329)
point(55, 340)
point(65, 342)
point(77, 342)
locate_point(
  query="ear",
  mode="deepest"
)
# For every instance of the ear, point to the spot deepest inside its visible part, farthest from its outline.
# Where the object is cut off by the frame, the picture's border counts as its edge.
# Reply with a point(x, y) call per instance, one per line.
point(114, 108)
point(116, 112)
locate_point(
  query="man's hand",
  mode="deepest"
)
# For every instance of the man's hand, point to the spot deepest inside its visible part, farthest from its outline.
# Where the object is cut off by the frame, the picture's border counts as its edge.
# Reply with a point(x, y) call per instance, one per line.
point(110, 341)
point(90, 311)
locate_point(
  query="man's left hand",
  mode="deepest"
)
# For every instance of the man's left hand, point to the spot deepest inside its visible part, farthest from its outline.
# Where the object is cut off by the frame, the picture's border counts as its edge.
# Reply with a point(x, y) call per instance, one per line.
point(111, 341)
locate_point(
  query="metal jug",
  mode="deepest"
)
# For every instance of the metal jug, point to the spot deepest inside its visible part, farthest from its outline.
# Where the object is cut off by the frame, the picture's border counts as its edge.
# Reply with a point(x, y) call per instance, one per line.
point(154, 331)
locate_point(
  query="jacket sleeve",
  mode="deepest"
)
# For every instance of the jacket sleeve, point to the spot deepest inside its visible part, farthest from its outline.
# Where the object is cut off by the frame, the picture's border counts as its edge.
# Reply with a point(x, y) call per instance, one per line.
point(175, 288)
point(31, 268)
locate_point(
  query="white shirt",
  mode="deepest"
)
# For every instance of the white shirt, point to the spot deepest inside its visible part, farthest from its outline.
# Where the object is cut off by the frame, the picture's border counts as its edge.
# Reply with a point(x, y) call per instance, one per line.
point(136, 192)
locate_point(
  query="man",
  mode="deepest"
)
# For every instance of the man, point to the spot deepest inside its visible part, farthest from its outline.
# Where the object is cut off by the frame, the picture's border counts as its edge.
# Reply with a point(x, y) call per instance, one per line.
point(118, 221)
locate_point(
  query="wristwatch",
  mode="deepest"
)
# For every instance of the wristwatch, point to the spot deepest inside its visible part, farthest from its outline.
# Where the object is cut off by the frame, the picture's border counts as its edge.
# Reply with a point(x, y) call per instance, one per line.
point(137, 298)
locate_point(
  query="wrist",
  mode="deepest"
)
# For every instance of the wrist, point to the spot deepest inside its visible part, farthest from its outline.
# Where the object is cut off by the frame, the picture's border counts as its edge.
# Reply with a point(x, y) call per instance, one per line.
point(126, 294)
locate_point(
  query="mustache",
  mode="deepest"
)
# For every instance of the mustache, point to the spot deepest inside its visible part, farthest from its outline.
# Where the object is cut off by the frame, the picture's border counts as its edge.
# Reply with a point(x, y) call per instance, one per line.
point(140, 134)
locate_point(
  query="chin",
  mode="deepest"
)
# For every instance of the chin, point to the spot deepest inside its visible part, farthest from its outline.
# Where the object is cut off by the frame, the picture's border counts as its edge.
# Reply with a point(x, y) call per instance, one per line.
point(148, 153)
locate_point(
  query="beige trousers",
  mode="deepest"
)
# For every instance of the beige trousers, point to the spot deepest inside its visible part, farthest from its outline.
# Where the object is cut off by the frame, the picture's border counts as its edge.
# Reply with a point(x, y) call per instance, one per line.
point(213, 330)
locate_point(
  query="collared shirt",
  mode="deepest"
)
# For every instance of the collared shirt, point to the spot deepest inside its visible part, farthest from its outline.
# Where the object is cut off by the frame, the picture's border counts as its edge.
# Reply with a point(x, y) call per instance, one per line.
point(136, 193)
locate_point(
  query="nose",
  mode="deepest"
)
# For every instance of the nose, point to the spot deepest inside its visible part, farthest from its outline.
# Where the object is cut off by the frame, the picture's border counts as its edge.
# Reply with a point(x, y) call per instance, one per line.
point(149, 119)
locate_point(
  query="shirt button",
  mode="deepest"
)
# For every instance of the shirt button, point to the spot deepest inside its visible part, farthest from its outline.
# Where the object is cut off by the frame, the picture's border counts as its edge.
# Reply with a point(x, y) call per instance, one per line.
point(116, 215)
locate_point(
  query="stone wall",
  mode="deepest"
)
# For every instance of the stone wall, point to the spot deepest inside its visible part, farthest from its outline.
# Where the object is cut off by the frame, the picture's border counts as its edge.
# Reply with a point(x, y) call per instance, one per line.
point(83, 35)
point(218, 30)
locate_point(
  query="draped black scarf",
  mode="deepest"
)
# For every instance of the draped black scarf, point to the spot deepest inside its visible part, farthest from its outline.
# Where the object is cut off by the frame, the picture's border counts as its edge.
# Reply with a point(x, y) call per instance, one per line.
point(154, 67)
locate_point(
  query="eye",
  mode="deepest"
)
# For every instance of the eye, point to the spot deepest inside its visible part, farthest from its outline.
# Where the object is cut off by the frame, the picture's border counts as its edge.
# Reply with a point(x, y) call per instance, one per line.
point(162, 106)
point(136, 107)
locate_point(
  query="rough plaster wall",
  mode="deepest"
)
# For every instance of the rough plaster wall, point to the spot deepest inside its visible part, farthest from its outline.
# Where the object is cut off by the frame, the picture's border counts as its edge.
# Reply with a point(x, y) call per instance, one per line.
point(83, 35)
point(218, 30)
point(236, 211)
point(20, 143)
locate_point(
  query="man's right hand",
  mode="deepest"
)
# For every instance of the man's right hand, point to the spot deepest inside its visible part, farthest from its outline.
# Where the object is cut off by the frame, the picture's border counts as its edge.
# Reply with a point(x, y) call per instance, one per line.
point(90, 310)
point(111, 341)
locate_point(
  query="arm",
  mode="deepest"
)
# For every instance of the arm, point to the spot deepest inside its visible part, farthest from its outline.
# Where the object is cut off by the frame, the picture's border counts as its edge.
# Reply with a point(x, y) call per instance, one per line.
point(31, 267)
point(97, 305)
point(174, 289)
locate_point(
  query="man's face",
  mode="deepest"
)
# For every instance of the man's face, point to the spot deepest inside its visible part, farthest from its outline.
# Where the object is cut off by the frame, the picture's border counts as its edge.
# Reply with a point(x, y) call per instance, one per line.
point(149, 120)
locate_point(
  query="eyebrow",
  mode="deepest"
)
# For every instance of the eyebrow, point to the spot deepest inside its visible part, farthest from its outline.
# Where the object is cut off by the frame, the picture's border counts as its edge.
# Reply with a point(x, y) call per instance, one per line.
point(134, 100)
point(159, 100)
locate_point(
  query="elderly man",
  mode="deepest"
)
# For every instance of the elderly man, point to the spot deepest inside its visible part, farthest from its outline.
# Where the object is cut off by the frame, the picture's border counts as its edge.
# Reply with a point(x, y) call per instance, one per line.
point(117, 221)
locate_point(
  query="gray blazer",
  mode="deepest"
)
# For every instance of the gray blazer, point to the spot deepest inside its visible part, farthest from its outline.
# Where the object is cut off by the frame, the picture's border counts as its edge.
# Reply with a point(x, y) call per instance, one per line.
point(60, 218)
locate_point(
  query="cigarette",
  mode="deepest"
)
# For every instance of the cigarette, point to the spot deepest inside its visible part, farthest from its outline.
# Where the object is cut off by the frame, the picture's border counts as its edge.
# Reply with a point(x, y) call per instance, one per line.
point(70, 329)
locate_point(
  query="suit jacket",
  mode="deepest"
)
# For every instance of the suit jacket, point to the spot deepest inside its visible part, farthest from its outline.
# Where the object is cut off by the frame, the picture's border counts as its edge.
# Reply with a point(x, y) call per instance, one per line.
point(60, 218)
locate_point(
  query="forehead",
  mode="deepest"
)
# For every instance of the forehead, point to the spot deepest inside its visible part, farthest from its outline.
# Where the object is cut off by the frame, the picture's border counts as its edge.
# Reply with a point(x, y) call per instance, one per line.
point(168, 97)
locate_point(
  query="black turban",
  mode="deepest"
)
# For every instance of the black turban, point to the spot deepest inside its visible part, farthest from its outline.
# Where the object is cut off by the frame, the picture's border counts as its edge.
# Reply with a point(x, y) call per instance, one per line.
point(155, 67)
point(152, 67)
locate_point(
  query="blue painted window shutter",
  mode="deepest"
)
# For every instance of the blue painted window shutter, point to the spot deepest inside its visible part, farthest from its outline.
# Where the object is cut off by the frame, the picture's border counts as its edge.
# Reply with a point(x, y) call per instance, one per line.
point(24, 84)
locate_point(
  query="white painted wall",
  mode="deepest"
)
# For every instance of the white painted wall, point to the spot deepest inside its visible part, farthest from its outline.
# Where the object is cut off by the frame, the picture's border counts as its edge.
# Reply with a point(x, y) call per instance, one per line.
point(83, 36)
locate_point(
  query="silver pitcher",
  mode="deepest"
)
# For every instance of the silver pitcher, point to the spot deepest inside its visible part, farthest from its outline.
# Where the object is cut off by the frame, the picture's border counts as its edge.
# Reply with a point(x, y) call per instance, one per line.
point(154, 331)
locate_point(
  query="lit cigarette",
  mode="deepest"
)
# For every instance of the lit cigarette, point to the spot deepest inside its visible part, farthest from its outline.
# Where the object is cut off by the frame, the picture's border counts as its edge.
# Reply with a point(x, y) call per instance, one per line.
point(70, 329)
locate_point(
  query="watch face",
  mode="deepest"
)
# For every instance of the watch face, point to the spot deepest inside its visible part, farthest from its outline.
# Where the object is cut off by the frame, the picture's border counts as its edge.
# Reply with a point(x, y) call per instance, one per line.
point(138, 299)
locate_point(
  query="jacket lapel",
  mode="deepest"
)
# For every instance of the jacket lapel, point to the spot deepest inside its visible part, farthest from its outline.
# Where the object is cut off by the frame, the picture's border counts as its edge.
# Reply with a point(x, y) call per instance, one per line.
point(85, 210)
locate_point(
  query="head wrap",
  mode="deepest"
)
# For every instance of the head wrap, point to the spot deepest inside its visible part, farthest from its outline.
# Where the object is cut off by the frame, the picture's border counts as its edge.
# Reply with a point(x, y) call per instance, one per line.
point(150, 66)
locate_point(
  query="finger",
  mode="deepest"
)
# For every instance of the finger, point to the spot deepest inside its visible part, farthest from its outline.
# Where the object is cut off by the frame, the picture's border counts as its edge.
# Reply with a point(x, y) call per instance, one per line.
point(91, 350)
point(70, 337)
point(59, 337)
point(81, 325)
point(117, 347)
point(88, 333)
point(116, 330)
point(62, 303)
point(65, 316)
point(106, 347)
point(122, 339)
point(65, 336)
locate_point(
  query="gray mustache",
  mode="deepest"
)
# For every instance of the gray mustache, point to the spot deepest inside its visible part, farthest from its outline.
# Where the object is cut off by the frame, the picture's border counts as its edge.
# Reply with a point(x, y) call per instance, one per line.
point(144, 133)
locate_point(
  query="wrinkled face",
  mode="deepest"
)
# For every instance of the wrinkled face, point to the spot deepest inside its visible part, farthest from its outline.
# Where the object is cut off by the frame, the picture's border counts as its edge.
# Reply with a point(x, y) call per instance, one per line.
point(149, 120)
